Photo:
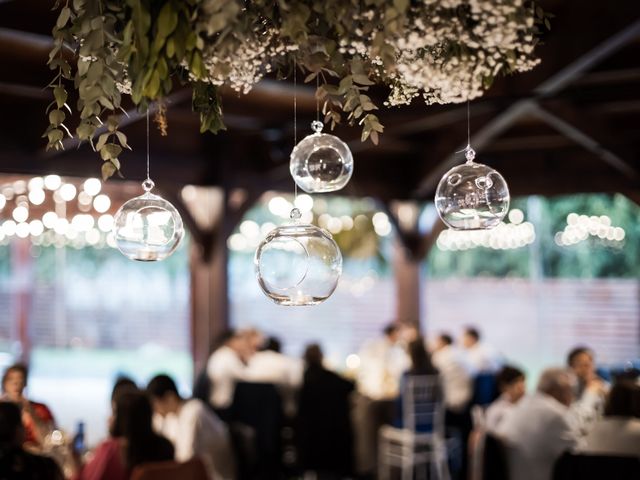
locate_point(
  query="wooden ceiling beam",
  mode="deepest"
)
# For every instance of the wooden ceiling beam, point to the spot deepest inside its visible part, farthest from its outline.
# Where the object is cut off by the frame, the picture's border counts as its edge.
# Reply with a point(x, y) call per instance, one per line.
point(549, 87)
point(591, 134)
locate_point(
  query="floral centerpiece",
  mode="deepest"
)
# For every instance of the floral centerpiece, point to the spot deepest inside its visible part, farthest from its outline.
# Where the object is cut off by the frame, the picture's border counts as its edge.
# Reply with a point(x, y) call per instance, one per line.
point(444, 51)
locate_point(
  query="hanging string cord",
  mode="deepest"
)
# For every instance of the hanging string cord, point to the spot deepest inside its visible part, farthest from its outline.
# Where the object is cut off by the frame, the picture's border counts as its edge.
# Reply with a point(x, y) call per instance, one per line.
point(468, 126)
point(148, 177)
point(469, 152)
point(317, 98)
point(295, 102)
point(295, 115)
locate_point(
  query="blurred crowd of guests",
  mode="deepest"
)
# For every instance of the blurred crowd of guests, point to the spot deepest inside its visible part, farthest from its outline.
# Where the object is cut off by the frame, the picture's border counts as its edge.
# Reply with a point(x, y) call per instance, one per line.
point(257, 413)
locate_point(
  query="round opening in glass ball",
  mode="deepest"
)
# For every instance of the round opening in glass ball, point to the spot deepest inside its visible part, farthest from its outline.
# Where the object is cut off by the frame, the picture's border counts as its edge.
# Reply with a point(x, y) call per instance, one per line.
point(325, 164)
point(321, 163)
point(148, 228)
point(298, 265)
point(472, 196)
point(284, 263)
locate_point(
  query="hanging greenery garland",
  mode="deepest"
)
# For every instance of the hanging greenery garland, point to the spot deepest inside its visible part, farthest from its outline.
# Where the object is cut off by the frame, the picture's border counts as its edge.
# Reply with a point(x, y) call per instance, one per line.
point(445, 51)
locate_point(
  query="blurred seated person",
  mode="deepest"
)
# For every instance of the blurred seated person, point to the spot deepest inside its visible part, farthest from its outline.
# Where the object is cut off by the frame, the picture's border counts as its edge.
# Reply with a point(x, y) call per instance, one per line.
point(15, 462)
point(37, 419)
point(457, 385)
point(324, 425)
point(382, 362)
point(133, 441)
point(269, 365)
point(511, 383)
point(618, 432)
point(226, 366)
point(456, 379)
point(192, 427)
point(121, 385)
point(538, 430)
point(479, 356)
point(421, 366)
point(590, 390)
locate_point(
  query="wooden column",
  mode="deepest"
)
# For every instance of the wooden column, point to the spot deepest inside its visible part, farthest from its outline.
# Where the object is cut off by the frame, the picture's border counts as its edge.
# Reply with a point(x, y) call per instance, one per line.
point(22, 266)
point(209, 272)
point(411, 248)
point(209, 299)
point(408, 285)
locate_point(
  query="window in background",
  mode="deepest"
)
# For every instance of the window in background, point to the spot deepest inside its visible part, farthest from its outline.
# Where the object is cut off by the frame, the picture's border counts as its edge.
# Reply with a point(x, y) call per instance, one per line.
point(576, 282)
point(84, 316)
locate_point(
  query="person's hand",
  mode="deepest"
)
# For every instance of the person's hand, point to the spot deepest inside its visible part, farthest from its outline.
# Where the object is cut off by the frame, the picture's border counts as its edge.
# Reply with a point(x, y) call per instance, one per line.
point(597, 386)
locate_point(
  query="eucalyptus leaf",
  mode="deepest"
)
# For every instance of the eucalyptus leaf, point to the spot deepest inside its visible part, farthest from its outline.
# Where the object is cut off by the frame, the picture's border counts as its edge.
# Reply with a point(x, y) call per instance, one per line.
point(60, 94)
point(108, 170)
point(167, 20)
point(63, 18)
point(56, 117)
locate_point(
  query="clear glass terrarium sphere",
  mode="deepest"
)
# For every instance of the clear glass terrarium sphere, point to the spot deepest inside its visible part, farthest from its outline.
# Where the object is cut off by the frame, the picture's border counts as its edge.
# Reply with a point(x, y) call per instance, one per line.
point(148, 228)
point(472, 196)
point(298, 264)
point(321, 162)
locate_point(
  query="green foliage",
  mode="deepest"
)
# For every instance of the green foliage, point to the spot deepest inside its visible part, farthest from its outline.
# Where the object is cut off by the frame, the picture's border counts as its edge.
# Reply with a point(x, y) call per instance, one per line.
point(91, 26)
point(206, 102)
point(444, 52)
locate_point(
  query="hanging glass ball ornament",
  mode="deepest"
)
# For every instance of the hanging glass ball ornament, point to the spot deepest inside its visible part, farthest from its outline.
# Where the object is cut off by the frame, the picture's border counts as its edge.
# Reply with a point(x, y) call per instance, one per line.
point(472, 196)
point(147, 228)
point(298, 264)
point(321, 162)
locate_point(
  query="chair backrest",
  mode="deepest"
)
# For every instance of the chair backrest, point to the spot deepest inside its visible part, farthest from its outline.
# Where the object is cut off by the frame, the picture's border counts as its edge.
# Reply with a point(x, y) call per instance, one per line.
point(259, 406)
point(494, 459)
point(591, 467)
point(194, 469)
point(422, 404)
point(485, 389)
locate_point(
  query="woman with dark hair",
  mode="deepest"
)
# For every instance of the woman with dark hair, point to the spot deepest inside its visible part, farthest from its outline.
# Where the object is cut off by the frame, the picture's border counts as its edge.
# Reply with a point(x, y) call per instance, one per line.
point(422, 367)
point(420, 359)
point(132, 443)
point(37, 419)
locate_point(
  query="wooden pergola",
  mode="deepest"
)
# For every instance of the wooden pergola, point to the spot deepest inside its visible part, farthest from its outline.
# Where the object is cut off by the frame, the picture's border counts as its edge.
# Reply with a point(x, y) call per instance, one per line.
point(570, 125)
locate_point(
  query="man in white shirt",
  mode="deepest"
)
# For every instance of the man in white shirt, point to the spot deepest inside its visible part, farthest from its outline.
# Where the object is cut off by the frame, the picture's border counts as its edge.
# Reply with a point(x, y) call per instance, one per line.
point(480, 357)
point(382, 363)
point(539, 428)
point(456, 378)
point(226, 366)
point(590, 390)
point(457, 384)
point(271, 366)
point(193, 428)
point(511, 383)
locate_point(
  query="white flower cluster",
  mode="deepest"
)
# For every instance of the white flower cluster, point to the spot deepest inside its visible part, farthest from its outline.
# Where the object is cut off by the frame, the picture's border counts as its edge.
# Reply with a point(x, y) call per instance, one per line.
point(450, 62)
point(446, 51)
point(246, 61)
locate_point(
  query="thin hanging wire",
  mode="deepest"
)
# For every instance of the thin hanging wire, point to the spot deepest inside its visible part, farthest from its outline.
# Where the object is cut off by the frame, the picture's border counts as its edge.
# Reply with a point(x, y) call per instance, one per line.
point(317, 98)
point(148, 177)
point(468, 125)
point(469, 153)
point(295, 117)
